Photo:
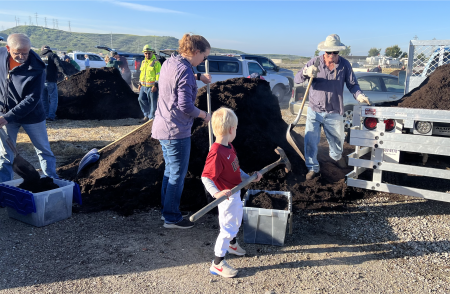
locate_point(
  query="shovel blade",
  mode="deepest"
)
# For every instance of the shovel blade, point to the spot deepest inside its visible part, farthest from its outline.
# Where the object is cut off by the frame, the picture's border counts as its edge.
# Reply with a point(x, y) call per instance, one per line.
point(293, 142)
point(25, 170)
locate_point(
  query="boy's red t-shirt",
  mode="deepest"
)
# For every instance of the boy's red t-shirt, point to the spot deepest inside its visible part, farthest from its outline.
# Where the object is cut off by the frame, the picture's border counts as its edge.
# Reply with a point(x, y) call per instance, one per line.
point(222, 167)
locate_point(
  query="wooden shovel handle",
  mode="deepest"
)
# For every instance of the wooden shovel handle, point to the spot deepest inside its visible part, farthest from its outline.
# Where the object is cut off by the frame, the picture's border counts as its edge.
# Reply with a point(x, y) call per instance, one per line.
point(120, 139)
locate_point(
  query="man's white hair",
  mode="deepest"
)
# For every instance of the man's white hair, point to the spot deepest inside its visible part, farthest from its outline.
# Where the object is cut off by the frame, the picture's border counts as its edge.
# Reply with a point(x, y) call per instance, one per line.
point(18, 41)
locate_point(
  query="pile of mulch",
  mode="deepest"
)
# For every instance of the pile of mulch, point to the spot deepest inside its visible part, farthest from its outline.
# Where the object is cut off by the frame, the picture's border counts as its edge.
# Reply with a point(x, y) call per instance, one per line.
point(433, 92)
point(268, 201)
point(128, 175)
point(97, 93)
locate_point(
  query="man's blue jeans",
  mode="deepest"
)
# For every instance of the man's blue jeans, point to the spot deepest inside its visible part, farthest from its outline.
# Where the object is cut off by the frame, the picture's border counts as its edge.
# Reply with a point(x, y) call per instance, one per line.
point(333, 127)
point(176, 156)
point(50, 100)
point(38, 136)
point(147, 100)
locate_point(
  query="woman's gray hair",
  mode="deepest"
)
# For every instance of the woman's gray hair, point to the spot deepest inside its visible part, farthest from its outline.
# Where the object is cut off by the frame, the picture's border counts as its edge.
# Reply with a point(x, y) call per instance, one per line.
point(18, 41)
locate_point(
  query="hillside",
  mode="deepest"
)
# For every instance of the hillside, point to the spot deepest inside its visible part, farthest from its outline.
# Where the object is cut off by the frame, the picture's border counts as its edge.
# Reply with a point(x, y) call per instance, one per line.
point(64, 40)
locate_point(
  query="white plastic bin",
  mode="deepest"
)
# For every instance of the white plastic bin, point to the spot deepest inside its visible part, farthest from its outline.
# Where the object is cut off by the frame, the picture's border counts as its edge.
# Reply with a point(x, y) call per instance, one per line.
point(265, 226)
point(51, 206)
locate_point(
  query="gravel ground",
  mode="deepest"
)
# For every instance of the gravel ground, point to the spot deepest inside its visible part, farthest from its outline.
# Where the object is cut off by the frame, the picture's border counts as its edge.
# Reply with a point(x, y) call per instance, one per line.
point(372, 246)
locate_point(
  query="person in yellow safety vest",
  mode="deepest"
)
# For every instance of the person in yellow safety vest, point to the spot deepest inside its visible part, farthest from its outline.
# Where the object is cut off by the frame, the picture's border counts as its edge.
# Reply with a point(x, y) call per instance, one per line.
point(148, 83)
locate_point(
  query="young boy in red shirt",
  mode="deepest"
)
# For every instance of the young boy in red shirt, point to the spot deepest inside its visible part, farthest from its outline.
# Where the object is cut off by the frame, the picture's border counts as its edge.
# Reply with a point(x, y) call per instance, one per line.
point(220, 175)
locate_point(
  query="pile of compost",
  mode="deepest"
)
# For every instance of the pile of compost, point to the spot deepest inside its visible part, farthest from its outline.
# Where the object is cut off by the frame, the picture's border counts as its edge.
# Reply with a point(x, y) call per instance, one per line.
point(268, 201)
point(44, 184)
point(97, 93)
point(128, 175)
point(432, 93)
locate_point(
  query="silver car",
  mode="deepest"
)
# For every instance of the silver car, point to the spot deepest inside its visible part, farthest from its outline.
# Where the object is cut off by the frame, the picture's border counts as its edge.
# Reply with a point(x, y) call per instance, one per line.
point(377, 86)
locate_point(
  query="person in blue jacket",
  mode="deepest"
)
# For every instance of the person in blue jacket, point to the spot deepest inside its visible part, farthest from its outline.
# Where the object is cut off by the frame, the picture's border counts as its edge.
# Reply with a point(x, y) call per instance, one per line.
point(22, 80)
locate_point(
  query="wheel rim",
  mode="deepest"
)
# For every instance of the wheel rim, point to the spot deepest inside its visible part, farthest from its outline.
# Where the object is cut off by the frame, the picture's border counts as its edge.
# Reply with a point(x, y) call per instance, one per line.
point(348, 118)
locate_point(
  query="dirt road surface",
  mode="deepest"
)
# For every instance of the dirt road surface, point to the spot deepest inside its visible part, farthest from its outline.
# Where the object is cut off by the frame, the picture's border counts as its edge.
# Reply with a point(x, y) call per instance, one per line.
point(370, 246)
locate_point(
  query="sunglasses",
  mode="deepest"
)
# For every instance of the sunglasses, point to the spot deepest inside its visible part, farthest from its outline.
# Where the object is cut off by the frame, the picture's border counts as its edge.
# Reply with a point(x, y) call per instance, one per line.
point(334, 52)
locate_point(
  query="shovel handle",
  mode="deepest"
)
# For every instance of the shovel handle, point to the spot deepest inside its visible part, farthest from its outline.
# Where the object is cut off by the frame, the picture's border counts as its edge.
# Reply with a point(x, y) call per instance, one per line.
point(303, 102)
point(208, 101)
point(117, 141)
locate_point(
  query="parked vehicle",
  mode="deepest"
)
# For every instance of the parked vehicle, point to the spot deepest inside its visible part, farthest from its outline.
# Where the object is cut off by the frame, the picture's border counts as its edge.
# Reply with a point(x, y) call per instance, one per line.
point(95, 60)
point(1, 38)
point(223, 67)
point(271, 67)
point(377, 86)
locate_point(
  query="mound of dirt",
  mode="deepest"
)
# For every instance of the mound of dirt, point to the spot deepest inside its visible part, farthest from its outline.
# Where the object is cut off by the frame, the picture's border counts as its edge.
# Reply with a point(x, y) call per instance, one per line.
point(128, 175)
point(97, 93)
point(268, 201)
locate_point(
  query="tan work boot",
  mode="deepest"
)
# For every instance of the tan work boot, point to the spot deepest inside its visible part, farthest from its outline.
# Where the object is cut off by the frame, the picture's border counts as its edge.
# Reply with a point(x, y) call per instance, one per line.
point(311, 175)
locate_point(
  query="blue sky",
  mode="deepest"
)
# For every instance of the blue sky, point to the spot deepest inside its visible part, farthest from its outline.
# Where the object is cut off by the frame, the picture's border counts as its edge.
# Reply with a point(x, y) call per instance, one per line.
point(277, 27)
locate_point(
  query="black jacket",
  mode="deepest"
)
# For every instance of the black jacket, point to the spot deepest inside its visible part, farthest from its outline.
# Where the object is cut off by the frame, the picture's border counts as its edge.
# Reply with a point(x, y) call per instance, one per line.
point(21, 89)
point(53, 65)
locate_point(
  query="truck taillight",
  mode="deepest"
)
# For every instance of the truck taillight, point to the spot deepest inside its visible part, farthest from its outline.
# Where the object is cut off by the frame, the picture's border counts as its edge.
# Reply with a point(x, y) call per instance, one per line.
point(389, 124)
point(293, 93)
point(370, 123)
point(137, 65)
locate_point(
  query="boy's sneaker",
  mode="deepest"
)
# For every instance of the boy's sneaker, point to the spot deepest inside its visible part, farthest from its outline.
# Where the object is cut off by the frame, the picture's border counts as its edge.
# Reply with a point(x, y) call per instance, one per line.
point(236, 249)
point(183, 224)
point(183, 214)
point(223, 269)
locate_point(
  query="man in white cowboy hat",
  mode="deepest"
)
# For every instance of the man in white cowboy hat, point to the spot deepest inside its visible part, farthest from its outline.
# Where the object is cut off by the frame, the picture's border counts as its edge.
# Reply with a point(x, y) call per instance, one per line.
point(326, 105)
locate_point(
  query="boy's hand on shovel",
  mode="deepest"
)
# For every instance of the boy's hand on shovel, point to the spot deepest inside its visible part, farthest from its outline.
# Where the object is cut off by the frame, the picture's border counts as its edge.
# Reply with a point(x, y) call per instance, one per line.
point(223, 193)
point(258, 177)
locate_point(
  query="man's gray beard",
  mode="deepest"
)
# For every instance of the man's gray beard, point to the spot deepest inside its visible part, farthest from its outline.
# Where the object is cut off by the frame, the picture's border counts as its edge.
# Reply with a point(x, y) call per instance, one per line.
point(21, 61)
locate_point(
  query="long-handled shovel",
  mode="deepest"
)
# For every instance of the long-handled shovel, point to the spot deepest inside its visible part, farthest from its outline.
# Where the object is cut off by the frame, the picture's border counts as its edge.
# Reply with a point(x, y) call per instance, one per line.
point(94, 155)
point(289, 137)
point(283, 160)
point(208, 101)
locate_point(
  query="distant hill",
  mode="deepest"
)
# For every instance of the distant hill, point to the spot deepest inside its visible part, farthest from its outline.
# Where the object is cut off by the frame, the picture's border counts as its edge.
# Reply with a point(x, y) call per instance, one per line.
point(64, 41)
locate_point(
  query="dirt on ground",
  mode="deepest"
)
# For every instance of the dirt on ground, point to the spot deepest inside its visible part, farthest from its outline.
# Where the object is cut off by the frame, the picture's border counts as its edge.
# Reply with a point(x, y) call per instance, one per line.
point(97, 93)
point(128, 175)
point(268, 201)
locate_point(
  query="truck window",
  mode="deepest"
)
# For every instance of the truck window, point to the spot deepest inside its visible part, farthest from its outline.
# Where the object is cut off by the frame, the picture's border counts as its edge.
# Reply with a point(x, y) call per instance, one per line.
point(80, 56)
point(370, 84)
point(232, 67)
point(213, 67)
point(94, 58)
point(266, 63)
point(255, 68)
point(392, 85)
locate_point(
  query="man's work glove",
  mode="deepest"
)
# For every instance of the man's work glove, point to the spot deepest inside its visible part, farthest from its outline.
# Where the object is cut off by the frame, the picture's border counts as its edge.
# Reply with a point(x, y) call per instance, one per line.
point(311, 71)
point(363, 99)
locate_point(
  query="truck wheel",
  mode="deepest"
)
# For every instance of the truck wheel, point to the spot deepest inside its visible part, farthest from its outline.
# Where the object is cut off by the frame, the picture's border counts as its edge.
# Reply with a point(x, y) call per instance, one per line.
point(278, 91)
point(348, 117)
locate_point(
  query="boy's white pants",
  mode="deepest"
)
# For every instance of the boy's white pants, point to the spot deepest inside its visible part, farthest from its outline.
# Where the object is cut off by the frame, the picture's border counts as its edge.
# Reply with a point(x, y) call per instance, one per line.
point(230, 219)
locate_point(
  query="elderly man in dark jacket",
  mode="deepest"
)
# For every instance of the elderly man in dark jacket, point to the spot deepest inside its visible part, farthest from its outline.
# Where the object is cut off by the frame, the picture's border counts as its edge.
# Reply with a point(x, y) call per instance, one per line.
point(50, 93)
point(21, 83)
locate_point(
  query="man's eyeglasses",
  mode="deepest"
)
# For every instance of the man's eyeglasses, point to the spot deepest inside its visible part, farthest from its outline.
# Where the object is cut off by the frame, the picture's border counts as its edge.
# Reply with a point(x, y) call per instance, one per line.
point(334, 52)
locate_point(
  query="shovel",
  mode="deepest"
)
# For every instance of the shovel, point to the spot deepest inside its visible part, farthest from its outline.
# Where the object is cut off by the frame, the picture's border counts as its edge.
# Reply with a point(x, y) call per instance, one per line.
point(208, 101)
point(94, 155)
point(20, 166)
point(289, 137)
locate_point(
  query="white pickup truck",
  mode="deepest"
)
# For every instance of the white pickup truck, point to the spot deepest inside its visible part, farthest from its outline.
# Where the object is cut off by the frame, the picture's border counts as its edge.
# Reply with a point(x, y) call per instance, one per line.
point(223, 67)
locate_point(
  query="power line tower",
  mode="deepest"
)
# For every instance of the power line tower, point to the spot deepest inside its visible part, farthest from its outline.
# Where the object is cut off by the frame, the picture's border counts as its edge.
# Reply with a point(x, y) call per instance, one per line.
point(57, 26)
point(36, 19)
point(15, 18)
point(30, 21)
point(70, 30)
point(45, 21)
point(415, 37)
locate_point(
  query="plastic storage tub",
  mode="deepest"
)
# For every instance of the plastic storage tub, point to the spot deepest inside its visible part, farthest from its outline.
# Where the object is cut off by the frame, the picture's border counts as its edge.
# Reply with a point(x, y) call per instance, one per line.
point(265, 226)
point(39, 209)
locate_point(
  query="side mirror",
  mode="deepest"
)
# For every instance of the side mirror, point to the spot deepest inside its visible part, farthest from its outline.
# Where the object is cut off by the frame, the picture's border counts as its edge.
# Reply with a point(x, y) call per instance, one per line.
point(264, 73)
point(276, 68)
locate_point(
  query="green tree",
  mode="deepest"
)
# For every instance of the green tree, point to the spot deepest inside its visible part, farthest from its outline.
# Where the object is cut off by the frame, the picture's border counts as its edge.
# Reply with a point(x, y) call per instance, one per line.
point(393, 51)
point(374, 51)
point(317, 52)
point(404, 55)
point(346, 52)
point(70, 51)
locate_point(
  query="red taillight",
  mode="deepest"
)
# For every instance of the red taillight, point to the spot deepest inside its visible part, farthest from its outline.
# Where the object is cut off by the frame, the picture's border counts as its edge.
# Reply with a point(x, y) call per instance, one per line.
point(137, 65)
point(293, 93)
point(389, 124)
point(370, 123)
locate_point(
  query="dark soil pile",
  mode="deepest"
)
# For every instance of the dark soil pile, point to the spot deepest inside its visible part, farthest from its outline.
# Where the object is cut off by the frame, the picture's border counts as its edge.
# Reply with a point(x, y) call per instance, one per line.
point(268, 201)
point(97, 93)
point(44, 184)
point(433, 92)
point(128, 175)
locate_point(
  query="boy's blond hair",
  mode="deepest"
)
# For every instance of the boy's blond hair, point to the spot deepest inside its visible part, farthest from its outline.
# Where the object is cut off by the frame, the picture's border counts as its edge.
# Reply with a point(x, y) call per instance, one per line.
point(223, 119)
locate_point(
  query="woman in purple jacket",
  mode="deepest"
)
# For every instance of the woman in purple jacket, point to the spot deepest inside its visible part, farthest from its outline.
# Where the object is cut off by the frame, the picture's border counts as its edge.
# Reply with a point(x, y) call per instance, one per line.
point(173, 121)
